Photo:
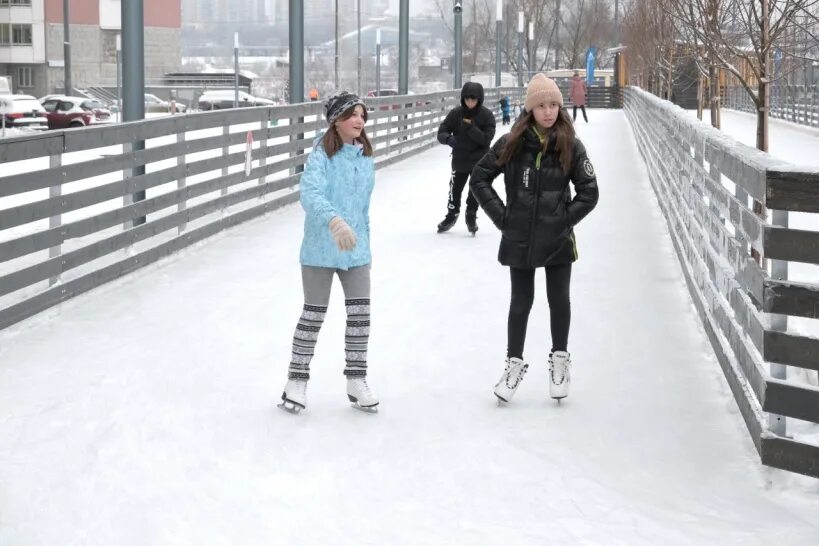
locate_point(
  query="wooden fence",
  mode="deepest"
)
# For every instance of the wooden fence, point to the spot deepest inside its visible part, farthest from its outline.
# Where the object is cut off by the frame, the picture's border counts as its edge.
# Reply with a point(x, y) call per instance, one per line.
point(796, 103)
point(69, 221)
point(714, 193)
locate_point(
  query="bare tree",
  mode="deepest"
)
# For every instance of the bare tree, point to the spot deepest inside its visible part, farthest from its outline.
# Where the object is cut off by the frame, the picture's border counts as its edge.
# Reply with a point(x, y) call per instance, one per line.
point(748, 32)
point(587, 23)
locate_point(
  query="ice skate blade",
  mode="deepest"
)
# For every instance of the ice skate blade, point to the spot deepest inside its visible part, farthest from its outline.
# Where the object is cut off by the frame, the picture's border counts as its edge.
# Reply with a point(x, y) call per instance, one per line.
point(501, 401)
point(365, 409)
point(290, 407)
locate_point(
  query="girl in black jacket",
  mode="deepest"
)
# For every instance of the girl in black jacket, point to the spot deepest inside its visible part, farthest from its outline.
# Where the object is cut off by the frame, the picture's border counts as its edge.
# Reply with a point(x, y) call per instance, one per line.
point(539, 157)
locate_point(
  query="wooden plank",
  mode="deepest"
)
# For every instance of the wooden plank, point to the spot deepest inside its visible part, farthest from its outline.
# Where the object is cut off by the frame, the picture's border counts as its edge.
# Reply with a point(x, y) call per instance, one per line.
point(791, 455)
point(29, 146)
point(798, 401)
point(794, 191)
point(791, 349)
point(794, 245)
point(791, 298)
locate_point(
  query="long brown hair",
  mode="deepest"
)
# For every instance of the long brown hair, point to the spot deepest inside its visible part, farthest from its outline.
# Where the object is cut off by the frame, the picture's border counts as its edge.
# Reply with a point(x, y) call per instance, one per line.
point(564, 138)
point(332, 140)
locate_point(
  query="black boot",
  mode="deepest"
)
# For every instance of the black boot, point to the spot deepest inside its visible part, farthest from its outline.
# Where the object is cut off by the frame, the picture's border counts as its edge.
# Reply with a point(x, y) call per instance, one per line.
point(471, 223)
point(448, 222)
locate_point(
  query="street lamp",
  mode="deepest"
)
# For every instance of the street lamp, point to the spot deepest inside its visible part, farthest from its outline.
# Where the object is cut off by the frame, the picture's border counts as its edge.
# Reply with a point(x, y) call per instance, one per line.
point(378, 63)
point(520, 49)
point(532, 49)
point(498, 31)
point(457, 8)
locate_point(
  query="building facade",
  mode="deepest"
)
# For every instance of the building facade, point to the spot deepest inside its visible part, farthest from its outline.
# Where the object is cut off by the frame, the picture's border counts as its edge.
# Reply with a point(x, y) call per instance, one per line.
point(31, 42)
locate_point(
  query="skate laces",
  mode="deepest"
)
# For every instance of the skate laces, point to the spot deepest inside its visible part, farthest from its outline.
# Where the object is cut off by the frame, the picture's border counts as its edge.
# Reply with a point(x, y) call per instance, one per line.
point(559, 369)
point(362, 387)
point(515, 376)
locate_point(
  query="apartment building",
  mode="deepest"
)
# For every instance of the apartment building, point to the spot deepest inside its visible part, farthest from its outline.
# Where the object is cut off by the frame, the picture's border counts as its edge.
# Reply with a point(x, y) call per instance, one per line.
point(31, 42)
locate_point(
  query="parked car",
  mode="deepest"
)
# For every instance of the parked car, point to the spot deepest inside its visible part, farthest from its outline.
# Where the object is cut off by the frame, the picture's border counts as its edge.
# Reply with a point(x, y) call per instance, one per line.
point(154, 104)
point(223, 98)
point(65, 112)
point(392, 93)
point(25, 113)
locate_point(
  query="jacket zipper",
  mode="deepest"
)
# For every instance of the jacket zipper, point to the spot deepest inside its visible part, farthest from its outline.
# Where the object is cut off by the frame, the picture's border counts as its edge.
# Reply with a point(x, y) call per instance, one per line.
point(534, 218)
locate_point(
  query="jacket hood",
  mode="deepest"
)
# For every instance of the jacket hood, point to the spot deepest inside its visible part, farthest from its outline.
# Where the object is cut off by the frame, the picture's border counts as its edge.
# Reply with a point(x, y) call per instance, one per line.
point(472, 89)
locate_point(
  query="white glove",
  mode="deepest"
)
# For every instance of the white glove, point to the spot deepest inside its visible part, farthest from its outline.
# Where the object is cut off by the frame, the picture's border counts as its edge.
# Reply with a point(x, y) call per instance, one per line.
point(342, 233)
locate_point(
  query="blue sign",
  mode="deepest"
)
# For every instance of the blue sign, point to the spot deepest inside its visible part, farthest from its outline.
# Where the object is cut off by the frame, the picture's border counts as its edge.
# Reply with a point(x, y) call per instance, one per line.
point(590, 53)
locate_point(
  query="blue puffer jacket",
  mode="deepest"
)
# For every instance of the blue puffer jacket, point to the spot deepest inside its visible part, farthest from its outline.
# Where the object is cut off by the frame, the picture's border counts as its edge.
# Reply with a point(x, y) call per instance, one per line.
point(340, 186)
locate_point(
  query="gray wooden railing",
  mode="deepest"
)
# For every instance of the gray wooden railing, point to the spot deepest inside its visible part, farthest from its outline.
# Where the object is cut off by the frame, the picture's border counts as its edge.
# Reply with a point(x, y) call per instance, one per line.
point(796, 103)
point(68, 222)
point(714, 193)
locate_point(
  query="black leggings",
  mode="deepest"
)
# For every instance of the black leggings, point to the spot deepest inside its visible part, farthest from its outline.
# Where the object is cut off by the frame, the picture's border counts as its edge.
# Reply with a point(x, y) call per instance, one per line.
point(558, 279)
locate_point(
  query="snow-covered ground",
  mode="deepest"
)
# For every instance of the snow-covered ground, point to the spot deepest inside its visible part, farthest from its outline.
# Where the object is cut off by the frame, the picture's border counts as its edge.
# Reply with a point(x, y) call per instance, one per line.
point(144, 411)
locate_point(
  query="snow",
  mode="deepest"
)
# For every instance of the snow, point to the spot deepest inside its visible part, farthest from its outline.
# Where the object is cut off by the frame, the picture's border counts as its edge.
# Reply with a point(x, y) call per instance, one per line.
point(144, 411)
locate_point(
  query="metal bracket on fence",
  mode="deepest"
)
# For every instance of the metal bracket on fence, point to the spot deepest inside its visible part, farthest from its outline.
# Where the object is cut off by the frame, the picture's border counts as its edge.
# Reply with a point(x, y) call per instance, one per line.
point(55, 190)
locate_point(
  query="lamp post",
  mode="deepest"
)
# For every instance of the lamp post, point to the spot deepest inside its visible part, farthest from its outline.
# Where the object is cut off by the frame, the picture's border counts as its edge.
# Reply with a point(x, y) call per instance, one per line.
point(457, 9)
point(532, 49)
point(498, 31)
point(335, 78)
point(236, 70)
point(119, 77)
point(67, 49)
point(378, 63)
point(520, 49)
point(358, 8)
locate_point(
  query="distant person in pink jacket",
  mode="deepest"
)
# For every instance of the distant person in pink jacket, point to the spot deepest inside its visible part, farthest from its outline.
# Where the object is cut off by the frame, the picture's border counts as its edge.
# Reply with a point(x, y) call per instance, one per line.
point(577, 93)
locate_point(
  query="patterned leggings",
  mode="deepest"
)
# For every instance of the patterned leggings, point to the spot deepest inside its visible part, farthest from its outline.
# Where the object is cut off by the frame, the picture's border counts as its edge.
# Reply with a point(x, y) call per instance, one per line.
point(317, 282)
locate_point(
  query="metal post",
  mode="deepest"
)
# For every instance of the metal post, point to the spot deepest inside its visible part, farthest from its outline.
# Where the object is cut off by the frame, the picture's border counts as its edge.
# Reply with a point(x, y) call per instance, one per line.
point(520, 49)
point(779, 323)
point(296, 17)
point(133, 81)
point(236, 70)
point(532, 49)
point(378, 63)
point(458, 58)
point(403, 47)
point(557, 36)
point(498, 32)
point(335, 78)
point(296, 25)
point(68, 84)
point(119, 77)
point(358, 37)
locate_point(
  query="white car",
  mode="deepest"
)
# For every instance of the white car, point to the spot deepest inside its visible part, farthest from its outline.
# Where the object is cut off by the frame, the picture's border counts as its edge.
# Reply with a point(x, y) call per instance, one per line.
point(223, 98)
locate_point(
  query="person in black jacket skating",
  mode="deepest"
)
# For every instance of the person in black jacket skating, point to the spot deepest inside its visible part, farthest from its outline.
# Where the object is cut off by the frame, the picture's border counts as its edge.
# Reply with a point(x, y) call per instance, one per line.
point(539, 157)
point(469, 130)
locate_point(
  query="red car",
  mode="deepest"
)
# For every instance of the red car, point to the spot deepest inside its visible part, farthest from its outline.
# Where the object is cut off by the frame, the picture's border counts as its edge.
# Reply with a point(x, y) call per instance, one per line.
point(66, 112)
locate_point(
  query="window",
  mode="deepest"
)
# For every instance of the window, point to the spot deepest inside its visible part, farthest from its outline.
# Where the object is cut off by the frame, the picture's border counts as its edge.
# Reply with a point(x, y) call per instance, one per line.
point(5, 34)
point(24, 76)
point(15, 3)
point(21, 34)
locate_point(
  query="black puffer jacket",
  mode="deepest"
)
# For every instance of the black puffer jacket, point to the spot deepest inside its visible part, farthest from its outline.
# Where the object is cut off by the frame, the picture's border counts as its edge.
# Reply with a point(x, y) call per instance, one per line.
point(472, 140)
point(539, 215)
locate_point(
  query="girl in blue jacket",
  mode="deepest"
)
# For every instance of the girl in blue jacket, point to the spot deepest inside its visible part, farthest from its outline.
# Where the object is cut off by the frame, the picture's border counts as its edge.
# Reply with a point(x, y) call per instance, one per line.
point(335, 192)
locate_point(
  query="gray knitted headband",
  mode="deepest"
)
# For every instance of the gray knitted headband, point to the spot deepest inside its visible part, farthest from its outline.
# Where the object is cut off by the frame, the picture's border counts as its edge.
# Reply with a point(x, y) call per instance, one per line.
point(339, 103)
